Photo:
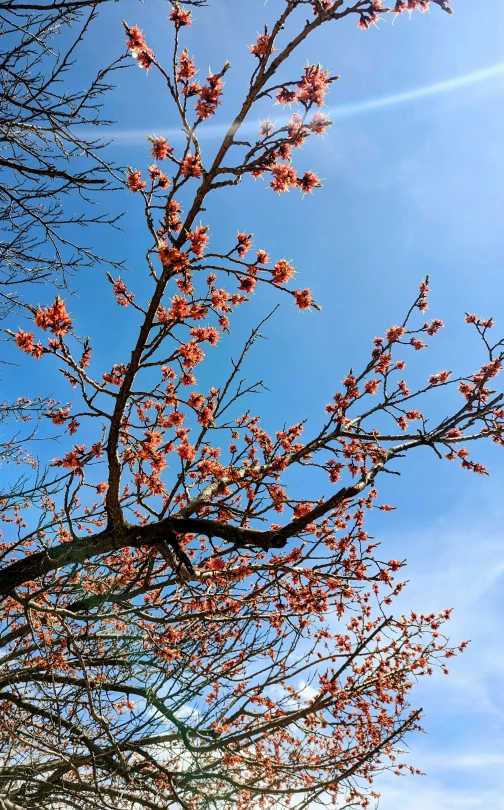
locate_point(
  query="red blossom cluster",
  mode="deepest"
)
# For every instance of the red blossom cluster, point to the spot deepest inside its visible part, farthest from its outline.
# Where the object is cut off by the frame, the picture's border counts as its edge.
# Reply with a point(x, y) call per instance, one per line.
point(172, 257)
point(123, 296)
point(303, 298)
point(191, 166)
point(199, 240)
point(420, 5)
point(116, 375)
point(138, 47)
point(134, 181)
point(312, 87)
point(26, 342)
point(160, 149)
point(55, 318)
point(209, 96)
point(159, 177)
point(262, 46)
point(180, 17)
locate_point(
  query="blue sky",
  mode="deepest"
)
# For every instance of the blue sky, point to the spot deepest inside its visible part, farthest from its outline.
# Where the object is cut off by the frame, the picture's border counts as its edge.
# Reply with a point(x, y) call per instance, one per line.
point(413, 172)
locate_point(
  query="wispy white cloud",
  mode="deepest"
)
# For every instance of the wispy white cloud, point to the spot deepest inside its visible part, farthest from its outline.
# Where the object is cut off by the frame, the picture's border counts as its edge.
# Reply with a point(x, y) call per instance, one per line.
point(447, 86)
point(421, 794)
point(126, 137)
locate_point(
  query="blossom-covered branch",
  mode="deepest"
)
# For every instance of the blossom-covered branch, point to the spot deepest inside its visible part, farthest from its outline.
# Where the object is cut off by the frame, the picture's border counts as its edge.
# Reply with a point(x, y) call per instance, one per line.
point(182, 628)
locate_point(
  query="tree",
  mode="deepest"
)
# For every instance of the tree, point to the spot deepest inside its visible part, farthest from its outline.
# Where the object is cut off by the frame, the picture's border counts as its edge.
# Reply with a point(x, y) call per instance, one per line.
point(163, 591)
point(50, 161)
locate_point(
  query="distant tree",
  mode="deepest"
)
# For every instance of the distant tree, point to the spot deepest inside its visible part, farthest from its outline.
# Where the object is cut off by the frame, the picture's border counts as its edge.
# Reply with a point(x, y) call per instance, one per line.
point(178, 628)
point(50, 159)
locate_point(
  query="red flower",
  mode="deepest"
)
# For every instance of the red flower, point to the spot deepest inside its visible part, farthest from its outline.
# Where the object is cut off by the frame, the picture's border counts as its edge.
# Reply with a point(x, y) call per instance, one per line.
point(161, 149)
point(247, 284)
point(323, 5)
point(282, 272)
point(319, 123)
point(180, 17)
point(284, 176)
point(172, 257)
point(261, 46)
point(136, 39)
point(135, 182)
point(25, 341)
point(199, 240)
point(440, 377)
point(313, 85)
point(145, 58)
point(371, 386)
point(186, 451)
point(187, 69)
point(308, 182)
point(121, 293)
point(191, 166)
point(303, 298)
point(191, 353)
point(394, 333)
point(244, 244)
point(266, 128)
point(55, 318)
point(138, 47)
point(209, 97)
point(116, 375)
point(286, 96)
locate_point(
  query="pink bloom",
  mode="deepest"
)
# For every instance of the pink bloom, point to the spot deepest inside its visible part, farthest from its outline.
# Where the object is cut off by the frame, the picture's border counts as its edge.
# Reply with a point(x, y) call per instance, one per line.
point(180, 17)
point(187, 69)
point(136, 39)
point(186, 451)
point(145, 58)
point(191, 166)
point(284, 176)
point(266, 128)
point(434, 326)
point(220, 299)
point(116, 375)
point(161, 149)
point(24, 340)
point(394, 333)
point(440, 377)
point(209, 97)
point(303, 298)
point(199, 240)
point(371, 386)
point(286, 96)
point(244, 244)
point(179, 309)
point(121, 293)
point(319, 123)
point(135, 182)
point(247, 284)
point(313, 85)
point(261, 46)
point(172, 257)
point(191, 353)
point(282, 272)
point(323, 5)
point(55, 318)
point(138, 47)
point(172, 216)
point(308, 182)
